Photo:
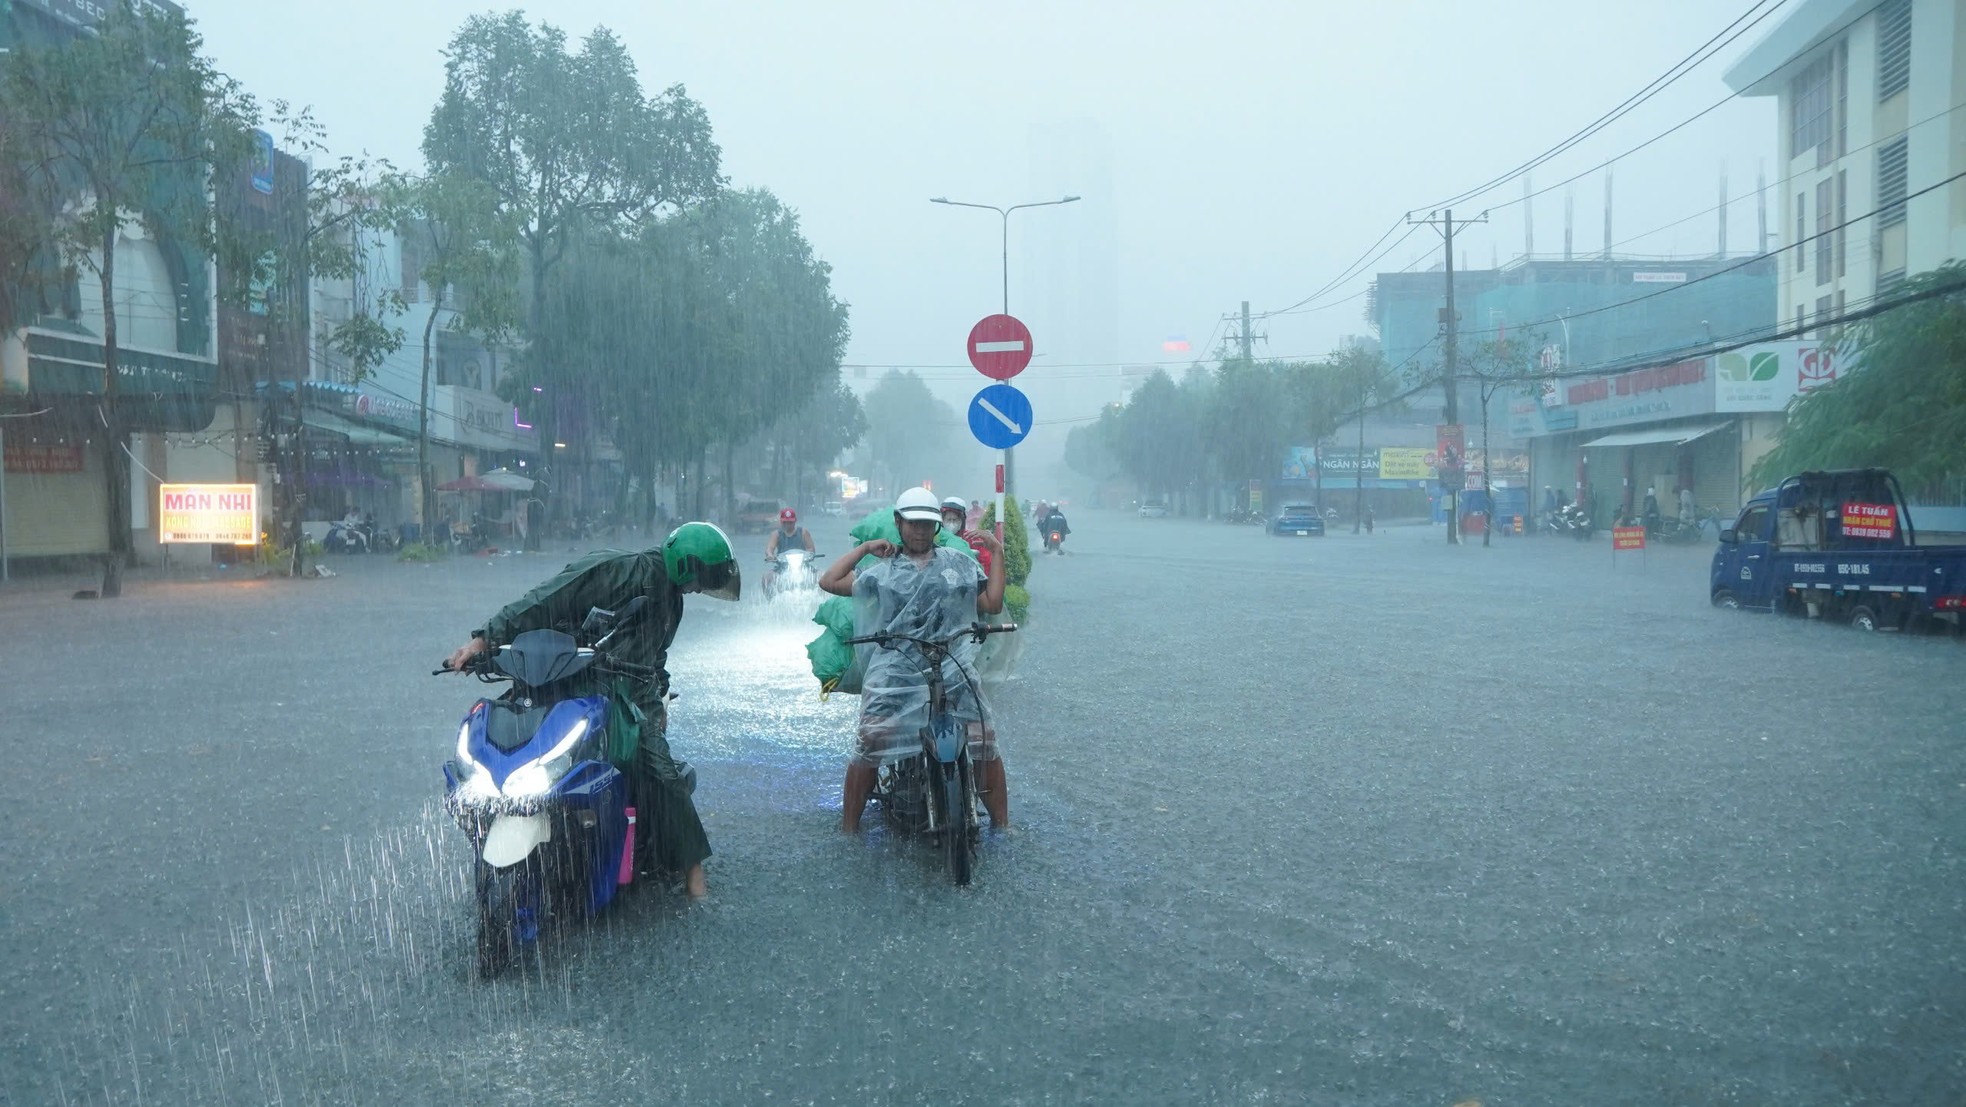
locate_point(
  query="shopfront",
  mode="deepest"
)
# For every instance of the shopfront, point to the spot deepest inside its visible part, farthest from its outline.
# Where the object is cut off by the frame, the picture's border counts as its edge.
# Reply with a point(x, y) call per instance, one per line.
point(1694, 427)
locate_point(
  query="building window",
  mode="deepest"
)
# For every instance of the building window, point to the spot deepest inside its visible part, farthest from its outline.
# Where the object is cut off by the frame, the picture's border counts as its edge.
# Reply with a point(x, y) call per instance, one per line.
point(1801, 320)
point(1893, 48)
point(1822, 313)
point(1825, 242)
point(1801, 206)
point(1838, 306)
point(1810, 95)
point(1891, 230)
point(1842, 98)
point(1842, 217)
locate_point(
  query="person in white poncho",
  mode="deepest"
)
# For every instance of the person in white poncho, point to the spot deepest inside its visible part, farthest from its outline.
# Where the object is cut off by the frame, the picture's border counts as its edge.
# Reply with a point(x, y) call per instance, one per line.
point(926, 591)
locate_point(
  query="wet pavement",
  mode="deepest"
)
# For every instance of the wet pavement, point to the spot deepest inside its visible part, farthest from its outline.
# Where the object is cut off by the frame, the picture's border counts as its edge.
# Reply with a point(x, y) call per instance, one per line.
point(1341, 820)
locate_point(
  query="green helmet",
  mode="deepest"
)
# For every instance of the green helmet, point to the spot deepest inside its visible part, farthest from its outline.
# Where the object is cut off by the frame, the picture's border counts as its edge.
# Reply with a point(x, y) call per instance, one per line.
point(699, 559)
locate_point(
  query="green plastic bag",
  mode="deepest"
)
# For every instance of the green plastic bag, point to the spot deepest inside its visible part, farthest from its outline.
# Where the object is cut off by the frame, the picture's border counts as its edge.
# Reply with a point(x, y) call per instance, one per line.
point(834, 663)
point(625, 719)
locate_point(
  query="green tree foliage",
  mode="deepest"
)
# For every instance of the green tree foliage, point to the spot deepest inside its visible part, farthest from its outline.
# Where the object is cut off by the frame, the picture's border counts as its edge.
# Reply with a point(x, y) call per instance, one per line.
point(1232, 423)
point(1903, 408)
point(132, 125)
point(908, 432)
point(569, 146)
point(467, 249)
point(1016, 541)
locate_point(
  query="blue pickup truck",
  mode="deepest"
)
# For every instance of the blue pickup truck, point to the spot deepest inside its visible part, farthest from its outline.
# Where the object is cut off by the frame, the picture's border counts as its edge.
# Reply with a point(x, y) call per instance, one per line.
point(1838, 546)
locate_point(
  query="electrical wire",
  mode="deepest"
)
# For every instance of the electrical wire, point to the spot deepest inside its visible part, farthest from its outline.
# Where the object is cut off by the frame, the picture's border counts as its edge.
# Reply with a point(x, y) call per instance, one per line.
point(1658, 84)
point(1745, 262)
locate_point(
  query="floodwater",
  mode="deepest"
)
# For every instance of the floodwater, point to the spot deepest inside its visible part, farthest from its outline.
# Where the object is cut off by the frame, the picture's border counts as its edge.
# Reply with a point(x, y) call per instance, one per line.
point(1341, 820)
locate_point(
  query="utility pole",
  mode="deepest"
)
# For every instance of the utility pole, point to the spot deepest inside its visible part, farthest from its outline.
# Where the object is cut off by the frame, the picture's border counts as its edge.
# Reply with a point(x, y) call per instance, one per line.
point(1248, 352)
point(1450, 323)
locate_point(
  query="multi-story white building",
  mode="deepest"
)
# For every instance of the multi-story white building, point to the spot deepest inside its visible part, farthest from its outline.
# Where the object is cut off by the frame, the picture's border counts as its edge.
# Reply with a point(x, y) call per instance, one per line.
point(1872, 135)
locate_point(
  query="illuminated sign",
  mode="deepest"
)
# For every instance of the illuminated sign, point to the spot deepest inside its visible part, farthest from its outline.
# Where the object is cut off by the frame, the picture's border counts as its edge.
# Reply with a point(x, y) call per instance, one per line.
point(216, 514)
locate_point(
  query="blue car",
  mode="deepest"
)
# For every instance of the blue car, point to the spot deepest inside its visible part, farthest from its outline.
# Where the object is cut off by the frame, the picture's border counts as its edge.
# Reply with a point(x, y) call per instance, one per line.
point(1297, 521)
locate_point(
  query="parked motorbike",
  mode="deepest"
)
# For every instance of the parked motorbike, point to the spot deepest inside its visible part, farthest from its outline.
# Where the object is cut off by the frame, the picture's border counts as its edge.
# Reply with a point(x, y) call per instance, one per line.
point(932, 793)
point(343, 537)
point(549, 818)
point(1576, 522)
point(794, 573)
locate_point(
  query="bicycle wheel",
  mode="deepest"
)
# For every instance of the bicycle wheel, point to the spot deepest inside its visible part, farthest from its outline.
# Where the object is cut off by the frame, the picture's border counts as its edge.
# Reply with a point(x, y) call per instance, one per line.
point(955, 827)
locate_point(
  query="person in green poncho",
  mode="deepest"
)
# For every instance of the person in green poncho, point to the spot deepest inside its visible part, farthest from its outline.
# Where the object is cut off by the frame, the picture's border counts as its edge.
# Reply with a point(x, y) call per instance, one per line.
point(696, 557)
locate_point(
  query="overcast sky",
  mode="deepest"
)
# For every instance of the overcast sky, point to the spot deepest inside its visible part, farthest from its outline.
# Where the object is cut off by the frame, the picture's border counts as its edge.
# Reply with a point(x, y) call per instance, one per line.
point(1256, 148)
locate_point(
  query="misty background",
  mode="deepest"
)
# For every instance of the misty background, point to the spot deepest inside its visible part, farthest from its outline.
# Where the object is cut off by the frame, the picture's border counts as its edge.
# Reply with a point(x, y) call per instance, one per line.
point(1248, 151)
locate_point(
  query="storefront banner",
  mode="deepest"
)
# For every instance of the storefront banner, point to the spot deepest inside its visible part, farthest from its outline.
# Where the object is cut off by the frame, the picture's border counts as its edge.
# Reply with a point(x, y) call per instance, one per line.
point(1766, 376)
point(1301, 463)
point(218, 514)
point(1404, 463)
point(1870, 520)
point(31, 458)
point(1345, 461)
point(1641, 396)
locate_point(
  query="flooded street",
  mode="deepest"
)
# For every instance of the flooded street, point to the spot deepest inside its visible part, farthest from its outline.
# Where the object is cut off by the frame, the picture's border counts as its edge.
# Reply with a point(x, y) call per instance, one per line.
point(1359, 820)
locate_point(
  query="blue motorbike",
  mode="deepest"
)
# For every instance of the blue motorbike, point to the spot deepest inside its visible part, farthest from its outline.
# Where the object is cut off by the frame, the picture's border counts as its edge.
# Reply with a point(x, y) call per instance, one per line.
point(549, 817)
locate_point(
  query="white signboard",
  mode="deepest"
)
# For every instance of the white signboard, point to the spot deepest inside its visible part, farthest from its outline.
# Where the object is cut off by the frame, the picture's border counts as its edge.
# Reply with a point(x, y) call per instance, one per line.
point(1766, 376)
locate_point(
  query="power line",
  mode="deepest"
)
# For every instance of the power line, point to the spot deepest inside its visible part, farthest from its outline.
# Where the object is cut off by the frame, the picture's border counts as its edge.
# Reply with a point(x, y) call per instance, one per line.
point(1745, 262)
point(1572, 179)
point(1658, 84)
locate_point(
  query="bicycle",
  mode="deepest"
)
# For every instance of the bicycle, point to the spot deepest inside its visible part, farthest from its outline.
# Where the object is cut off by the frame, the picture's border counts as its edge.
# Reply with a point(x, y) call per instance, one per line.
point(938, 801)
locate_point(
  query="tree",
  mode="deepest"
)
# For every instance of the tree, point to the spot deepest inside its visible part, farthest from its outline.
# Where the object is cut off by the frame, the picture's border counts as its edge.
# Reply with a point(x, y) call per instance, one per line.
point(1495, 364)
point(908, 431)
point(1903, 408)
point(566, 143)
point(1355, 382)
point(466, 253)
point(136, 125)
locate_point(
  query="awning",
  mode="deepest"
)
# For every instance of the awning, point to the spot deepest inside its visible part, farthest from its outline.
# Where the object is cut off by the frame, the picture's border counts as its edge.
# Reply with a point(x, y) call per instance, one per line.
point(1677, 435)
point(356, 433)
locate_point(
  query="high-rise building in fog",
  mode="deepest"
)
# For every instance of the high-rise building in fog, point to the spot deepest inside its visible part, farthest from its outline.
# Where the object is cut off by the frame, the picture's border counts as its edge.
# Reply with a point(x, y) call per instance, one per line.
point(1065, 274)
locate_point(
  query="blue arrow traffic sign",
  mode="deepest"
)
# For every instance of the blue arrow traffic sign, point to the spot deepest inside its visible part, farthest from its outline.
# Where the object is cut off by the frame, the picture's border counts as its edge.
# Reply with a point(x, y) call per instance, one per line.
point(1000, 416)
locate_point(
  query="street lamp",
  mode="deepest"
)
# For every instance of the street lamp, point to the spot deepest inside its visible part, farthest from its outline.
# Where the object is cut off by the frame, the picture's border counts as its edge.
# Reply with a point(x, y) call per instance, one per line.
point(1009, 482)
point(1005, 214)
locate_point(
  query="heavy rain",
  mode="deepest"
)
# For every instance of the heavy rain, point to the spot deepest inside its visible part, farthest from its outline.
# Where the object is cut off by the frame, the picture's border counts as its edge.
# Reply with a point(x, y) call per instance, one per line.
point(561, 556)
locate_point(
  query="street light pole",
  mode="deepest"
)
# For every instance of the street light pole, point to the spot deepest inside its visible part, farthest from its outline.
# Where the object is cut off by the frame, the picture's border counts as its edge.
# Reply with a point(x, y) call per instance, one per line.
point(1009, 465)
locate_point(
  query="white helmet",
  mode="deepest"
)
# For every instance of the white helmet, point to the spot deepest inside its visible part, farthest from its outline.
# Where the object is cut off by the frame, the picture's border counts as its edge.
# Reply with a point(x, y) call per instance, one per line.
point(918, 503)
point(955, 503)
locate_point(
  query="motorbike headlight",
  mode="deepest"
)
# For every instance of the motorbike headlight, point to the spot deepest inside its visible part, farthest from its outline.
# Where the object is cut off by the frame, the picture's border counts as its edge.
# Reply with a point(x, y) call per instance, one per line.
point(536, 777)
point(474, 783)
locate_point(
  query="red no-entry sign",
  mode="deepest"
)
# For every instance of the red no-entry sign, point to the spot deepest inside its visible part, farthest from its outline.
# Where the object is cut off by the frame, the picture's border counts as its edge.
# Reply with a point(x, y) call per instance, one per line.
point(999, 347)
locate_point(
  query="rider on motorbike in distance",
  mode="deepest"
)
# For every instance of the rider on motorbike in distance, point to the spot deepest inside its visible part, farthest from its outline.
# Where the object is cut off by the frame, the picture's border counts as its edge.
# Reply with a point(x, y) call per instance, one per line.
point(789, 531)
point(926, 591)
point(1054, 520)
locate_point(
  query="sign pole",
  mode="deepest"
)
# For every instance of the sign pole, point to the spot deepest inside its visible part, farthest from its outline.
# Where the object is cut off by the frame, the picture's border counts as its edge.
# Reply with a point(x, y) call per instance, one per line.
point(3, 502)
point(1000, 492)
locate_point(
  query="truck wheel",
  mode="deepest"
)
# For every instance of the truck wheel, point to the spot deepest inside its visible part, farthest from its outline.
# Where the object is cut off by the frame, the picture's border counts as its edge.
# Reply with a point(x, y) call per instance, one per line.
point(1863, 618)
point(1726, 599)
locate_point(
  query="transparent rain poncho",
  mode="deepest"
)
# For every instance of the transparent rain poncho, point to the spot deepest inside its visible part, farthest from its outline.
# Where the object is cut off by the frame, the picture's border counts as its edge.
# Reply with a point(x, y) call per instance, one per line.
point(933, 600)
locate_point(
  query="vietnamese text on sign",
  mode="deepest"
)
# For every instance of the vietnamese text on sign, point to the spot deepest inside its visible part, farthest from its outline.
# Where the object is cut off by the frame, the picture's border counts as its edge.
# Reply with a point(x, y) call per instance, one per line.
point(218, 514)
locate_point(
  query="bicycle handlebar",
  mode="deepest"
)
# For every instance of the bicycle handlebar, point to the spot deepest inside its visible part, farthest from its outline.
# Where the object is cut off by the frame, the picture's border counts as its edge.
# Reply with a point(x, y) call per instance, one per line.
point(978, 631)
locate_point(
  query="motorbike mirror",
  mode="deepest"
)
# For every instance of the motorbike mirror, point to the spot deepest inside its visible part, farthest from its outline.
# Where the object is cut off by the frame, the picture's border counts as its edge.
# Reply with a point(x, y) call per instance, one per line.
point(1728, 536)
point(631, 610)
point(598, 620)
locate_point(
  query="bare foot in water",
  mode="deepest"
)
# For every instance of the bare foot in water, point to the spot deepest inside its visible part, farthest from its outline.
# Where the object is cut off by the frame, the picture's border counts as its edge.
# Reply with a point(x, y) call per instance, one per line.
point(697, 884)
